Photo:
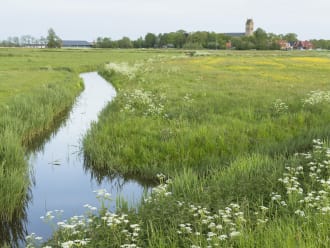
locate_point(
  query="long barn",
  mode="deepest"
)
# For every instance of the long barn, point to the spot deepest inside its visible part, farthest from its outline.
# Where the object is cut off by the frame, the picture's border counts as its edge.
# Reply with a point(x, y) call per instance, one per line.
point(76, 43)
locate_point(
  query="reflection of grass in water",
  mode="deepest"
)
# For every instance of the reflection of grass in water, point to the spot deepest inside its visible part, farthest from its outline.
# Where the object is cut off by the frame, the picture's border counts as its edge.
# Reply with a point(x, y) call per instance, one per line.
point(55, 162)
point(101, 174)
point(14, 188)
point(37, 142)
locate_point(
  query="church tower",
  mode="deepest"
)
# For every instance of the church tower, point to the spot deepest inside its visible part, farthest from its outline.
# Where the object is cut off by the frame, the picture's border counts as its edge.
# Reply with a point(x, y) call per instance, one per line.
point(249, 27)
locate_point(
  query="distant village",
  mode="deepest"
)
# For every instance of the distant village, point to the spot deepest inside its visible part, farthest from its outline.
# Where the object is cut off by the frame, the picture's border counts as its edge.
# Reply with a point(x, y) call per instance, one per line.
point(298, 45)
point(250, 39)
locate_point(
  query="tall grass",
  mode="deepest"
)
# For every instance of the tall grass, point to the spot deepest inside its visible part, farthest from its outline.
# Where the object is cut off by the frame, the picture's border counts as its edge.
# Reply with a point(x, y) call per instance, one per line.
point(200, 113)
point(14, 181)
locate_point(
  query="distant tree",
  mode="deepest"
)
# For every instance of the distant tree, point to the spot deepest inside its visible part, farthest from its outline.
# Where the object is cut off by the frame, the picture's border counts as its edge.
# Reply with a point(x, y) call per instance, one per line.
point(43, 41)
point(200, 37)
point(217, 41)
point(174, 39)
point(104, 43)
point(180, 38)
point(15, 41)
point(222, 40)
point(321, 44)
point(150, 40)
point(10, 42)
point(192, 45)
point(139, 43)
point(171, 39)
point(162, 38)
point(290, 37)
point(243, 43)
point(261, 39)
point(26, 40)
point(125, 42)
point(53, 41)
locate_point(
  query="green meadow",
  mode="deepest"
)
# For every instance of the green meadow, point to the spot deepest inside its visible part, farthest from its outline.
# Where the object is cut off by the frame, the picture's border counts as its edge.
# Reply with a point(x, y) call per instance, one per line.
point(240, 140)
point(201, 113)
point(237, 142)
point(37, 90)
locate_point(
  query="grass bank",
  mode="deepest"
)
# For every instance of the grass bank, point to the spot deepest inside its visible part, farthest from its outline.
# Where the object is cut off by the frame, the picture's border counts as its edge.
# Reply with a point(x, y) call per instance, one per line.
point(37, 89)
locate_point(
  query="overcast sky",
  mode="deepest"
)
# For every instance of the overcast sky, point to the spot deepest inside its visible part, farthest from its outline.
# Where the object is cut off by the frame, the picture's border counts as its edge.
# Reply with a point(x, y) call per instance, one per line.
point(89, 19)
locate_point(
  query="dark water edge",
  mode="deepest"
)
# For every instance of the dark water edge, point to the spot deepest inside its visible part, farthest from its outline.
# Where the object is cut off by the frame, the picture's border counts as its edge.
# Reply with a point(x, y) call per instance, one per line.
point(60, 178)
point(13, 230)
point(37, 143)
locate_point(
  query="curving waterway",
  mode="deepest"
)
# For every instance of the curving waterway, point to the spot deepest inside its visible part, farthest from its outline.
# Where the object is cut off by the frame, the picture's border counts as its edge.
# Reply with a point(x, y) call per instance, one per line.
point(61, 181)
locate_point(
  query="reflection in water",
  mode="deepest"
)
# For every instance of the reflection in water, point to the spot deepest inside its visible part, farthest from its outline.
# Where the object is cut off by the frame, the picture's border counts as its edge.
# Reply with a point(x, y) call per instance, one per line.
point(103, 174)
point(62, 181)
point(13, 228)
point(38, 142)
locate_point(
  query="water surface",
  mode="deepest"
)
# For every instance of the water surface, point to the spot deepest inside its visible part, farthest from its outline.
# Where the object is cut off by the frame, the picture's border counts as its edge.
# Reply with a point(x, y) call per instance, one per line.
point(60, 181)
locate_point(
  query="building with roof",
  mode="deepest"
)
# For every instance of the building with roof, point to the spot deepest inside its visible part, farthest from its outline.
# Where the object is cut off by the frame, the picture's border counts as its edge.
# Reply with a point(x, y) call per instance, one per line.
point(76, 44)
point(249, 29)
point(284, 45)
point(235, 34)
point(303, 45)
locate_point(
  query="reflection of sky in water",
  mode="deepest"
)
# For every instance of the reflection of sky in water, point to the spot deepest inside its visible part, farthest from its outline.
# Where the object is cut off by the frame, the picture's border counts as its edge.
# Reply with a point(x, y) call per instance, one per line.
point(60, 180)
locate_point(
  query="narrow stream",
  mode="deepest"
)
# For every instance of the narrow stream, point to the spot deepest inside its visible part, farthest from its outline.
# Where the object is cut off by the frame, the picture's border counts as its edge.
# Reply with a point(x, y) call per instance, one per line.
point(60, 181)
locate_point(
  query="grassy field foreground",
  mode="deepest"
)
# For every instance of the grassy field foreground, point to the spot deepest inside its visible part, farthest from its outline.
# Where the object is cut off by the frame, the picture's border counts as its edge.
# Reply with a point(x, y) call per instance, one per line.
point(236, 134)
point(233, 137)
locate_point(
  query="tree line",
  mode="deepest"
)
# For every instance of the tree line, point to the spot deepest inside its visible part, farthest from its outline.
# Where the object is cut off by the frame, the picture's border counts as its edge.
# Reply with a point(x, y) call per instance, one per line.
point(260, 40)
point(51, 41)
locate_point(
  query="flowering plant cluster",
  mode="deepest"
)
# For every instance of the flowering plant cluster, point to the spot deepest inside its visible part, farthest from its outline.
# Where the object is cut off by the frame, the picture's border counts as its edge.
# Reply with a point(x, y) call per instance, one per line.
point(317, 97)
point(205, 227)
point(210, 228)
point(307, 184)
point(79, 231)
point(188, 99)
point(280, 107)
point(124, 69)
point(143, 102)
